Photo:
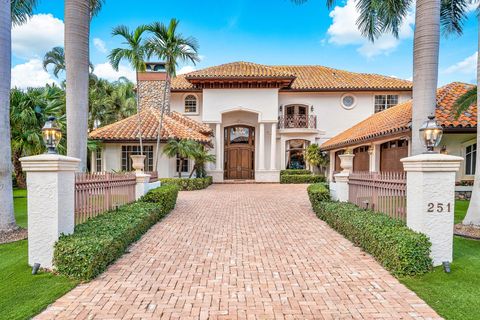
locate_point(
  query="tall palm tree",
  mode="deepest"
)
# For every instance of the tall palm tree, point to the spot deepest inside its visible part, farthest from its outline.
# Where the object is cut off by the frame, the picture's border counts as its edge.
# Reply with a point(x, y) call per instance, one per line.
point(77, 33)
point(184, 149)
point(169, 45)
point(135, 52)
point(56, 58)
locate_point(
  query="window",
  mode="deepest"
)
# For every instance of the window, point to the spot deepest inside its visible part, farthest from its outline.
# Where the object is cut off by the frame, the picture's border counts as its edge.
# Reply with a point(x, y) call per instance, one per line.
point(296, 154)
point(348, 101)
point(98, 160)
point(470, 159)
point(185, 164)
point(127, 151)
point(385, 101)
point(190, 104)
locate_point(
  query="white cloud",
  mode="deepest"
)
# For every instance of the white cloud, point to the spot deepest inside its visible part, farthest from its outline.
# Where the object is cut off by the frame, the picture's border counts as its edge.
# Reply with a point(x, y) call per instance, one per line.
point(466, 66)
point(100, 45)
point(30, 74)
point(40, 34)
point(472, 6)
point(344, 31)
point(105, 71)
point(186, 69)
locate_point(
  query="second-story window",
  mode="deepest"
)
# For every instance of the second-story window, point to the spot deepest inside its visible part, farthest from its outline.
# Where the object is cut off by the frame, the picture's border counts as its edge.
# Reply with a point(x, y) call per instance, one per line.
point(385, 101)
point(190, 104)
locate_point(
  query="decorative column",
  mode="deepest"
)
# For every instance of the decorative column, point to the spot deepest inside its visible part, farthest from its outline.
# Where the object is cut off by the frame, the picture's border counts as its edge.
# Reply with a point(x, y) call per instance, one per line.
point(218, 142)
point(51, 203)
point(261, 147)
point(431, 200)
point(340, 190)
point(273, 148)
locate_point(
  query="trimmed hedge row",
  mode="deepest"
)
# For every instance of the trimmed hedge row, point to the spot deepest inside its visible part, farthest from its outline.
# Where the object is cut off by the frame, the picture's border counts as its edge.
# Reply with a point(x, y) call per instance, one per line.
point(101, 240)
point(290, 172)
point(399, 249)
point(188, 184)
point(301, 178)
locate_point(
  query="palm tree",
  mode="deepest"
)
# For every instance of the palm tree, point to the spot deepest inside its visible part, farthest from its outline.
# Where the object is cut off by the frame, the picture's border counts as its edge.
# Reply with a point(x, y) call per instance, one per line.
point(169, 45)
point(77, 33)
point(56, 58)
point(201, 156)
point(183, 149)
point(135, 53)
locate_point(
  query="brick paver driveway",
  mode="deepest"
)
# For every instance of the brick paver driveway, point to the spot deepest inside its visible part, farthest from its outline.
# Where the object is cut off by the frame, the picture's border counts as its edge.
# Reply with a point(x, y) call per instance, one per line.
point(242, 251)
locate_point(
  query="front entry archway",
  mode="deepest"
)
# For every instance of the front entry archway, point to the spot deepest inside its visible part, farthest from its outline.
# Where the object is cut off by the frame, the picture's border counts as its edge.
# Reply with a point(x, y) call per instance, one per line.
point(239, 152)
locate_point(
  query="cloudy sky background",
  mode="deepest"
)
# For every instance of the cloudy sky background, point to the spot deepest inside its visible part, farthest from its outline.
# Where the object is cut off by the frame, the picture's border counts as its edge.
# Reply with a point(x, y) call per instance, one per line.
point(268, 32)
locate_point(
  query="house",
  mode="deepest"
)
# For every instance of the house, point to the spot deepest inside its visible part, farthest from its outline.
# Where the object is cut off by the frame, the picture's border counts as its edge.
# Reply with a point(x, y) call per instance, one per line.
point(382, 139)
point(262, 117)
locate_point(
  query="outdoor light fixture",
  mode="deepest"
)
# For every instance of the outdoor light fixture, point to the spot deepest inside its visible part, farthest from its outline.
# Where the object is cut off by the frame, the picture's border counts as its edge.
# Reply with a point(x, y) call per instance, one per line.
point(51, 135)
point(431, 134)
point(280, 109)
point(311, 108)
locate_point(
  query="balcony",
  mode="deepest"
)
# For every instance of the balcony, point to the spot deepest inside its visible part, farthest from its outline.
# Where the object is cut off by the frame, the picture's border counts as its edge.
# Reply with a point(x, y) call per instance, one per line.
point(297, 121)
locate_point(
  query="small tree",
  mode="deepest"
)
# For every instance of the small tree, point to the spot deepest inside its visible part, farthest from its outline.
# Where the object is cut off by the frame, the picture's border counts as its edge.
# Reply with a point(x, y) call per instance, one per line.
point(184, 149)
point(316, 157)
point(201, 156)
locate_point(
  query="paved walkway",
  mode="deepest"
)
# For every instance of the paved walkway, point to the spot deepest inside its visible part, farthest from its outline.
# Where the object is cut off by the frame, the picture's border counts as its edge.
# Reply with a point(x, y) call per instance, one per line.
point(246, 252)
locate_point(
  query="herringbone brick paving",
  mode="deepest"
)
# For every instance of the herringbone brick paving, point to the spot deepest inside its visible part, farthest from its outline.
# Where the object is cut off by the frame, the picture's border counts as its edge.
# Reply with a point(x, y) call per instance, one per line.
point(242, 252)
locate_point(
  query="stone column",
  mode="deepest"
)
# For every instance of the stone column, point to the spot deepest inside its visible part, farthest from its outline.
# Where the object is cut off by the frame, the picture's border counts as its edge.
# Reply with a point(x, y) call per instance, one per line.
point(218, 149)
point(261, 147)
point(431, 200)
point(51, 203)
point(273, 148)
point(340, 190)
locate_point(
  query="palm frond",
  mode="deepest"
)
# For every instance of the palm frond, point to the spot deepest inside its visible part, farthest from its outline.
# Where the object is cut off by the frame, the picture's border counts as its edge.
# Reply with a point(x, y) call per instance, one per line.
point(21, 10)
point(453, 14)
point(465, 101)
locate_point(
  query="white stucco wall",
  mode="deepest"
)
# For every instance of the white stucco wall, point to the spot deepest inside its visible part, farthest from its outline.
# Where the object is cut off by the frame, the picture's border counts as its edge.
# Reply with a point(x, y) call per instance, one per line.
point(177, 103)
point(455, 144)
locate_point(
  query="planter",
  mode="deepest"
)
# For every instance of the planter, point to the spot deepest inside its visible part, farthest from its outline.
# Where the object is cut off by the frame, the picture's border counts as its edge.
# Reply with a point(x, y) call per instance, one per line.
point(138, 162)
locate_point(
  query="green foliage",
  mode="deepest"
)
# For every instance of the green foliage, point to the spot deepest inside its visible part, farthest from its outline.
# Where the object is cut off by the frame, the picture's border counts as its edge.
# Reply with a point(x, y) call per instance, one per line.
point(101, 240)
point(290, 172)
point(301, 178)
point(135, 51)
point(201, 156)
point(188, 184)
point(318, 192)
point(316, 157)
point(465, 101)
point(399, 249)
point(184, 149)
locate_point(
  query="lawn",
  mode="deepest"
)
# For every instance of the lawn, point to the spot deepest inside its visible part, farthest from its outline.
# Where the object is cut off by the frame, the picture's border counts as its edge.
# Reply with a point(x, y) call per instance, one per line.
point(23, 295)
point(454, 295)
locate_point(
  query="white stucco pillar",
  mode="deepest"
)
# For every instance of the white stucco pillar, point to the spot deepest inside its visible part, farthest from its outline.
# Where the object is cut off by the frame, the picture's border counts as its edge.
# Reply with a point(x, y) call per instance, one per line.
point(273, 147)
point(50, 202)
point(218, 149)
point(431, 200)
point(339, 190)
point(261, 147)
point(142, 186)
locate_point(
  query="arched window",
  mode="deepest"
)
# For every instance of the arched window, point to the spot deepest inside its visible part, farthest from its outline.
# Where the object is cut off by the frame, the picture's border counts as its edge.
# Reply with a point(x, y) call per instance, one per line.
point(190, 104)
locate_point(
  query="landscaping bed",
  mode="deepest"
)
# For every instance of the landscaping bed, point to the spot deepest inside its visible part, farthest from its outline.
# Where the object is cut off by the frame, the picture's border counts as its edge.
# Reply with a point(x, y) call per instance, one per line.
point(299, 176)
point(101, 240)
point(188, 184)
point(400, 250)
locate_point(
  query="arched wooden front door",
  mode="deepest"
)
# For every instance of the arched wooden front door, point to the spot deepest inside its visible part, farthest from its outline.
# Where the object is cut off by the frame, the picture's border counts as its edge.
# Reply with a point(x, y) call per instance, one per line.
point(239, 152)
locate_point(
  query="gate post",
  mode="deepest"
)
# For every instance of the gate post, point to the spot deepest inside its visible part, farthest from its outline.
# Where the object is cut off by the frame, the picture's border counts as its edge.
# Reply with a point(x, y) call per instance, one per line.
point(340, 190)
point(51, 203)
point(431, 200)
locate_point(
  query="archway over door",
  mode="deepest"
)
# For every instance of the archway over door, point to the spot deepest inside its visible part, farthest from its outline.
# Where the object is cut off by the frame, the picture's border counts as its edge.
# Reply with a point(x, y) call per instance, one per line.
point(239, 152)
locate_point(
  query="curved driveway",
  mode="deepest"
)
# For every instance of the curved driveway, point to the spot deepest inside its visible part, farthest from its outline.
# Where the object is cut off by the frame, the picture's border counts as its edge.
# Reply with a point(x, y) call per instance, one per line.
point(247, 251)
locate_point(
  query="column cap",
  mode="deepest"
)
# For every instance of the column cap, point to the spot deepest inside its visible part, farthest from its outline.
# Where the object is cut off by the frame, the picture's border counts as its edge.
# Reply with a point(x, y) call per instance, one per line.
point(432, 162)
point(49, 162)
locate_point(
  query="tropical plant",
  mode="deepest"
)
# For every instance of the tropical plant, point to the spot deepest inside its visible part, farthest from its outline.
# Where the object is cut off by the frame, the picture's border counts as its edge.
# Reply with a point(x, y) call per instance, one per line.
point(167, 44)
point(183, 149)
point(201, 157)
point(135, 52)
point(316, 157)
point(56, 58)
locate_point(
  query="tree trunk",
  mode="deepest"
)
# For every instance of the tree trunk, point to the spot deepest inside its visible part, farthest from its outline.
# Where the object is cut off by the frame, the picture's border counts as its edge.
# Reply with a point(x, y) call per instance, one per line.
point(7, 218)
point(473, 212)
point(180, 168)
point(77, 30)
point(17, 169)
point(425, 66)
point(139, 119)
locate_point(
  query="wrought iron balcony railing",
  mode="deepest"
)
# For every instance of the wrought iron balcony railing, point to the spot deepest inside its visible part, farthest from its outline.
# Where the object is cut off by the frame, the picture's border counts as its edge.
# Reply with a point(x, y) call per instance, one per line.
point(297, 121)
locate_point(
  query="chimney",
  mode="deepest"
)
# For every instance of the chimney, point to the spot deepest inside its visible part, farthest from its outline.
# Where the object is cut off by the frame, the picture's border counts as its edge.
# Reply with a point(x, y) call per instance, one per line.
point(151, 85)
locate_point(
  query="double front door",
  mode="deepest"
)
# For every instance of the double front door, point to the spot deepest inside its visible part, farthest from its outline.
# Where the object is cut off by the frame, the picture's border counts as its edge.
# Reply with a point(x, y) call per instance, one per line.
point(239, 152)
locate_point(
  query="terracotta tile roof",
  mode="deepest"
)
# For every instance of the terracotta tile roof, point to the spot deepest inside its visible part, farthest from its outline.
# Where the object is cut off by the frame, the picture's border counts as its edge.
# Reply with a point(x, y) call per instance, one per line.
point(305, 77)
point(398, 119)
point(175, 126)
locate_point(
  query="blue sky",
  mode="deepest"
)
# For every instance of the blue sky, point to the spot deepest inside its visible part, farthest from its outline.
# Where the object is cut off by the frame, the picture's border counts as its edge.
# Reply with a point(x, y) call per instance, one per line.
point(269, 32)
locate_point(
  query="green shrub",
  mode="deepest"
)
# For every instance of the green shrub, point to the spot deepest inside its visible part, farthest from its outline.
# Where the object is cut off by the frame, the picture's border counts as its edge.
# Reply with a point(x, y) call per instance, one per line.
point(301, 178)
point(188, 184)
point(101, 240)
point(399, 249)
point(290, 172)
point(318, 192)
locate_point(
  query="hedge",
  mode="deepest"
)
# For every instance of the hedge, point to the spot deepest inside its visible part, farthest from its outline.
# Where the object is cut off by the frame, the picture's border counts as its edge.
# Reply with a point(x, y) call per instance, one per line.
point(301, 178)
point(188, 184)
point(399, 249)
point(291, 172)
point(101, 240)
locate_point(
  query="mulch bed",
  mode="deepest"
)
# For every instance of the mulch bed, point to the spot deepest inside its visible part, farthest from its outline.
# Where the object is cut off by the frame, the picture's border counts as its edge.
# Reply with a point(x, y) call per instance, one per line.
point(13, 235)
point(467, 231)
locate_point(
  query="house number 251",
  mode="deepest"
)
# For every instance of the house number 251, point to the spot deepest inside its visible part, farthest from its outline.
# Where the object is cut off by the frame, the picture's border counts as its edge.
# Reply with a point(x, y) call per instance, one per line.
point(439, 207)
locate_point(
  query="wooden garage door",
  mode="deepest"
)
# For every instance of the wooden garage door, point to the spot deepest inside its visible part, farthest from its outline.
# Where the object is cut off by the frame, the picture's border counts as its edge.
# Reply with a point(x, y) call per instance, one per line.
point(390, 154)
point(361, 161)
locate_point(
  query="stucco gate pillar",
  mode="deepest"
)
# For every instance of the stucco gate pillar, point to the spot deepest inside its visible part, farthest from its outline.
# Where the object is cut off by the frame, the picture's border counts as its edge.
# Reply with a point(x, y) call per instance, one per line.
point(339, 190)
point(51, 203)
point(431, 200)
